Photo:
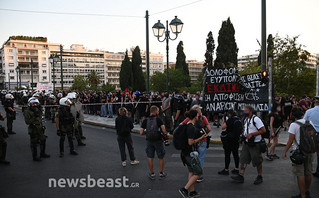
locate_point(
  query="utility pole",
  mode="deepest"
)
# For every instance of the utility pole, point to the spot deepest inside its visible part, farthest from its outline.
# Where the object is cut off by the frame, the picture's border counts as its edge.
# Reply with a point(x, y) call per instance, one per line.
point(9, 81)
point(317, 90)
point(32, 74)
point(263, 36)
point(147, 54)
point(167, 58)
point(270, 86)
point(61, 52)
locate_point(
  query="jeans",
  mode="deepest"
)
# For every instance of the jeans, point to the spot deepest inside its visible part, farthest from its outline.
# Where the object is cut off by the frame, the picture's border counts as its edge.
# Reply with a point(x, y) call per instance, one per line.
point(202, 148)
point(110, 108)
point(129, 143)
point(103, 110)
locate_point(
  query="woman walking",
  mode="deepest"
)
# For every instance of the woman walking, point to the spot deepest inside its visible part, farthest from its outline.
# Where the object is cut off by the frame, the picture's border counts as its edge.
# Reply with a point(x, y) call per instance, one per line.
point(275, 126)
point(123, 126)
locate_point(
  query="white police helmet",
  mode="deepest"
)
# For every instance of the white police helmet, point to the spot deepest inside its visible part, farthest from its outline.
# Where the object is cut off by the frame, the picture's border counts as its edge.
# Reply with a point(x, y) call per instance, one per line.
point(9, 96)
point(36, 94)
point(60, 95)
point(33, 101)
point(52, 96)
point(72, 95)
point(65, 101)
point(32, 98)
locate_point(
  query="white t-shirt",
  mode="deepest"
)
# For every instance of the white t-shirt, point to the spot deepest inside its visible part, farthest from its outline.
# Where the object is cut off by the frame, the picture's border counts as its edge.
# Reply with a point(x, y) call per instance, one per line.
point(252, 128)
point(295, 129)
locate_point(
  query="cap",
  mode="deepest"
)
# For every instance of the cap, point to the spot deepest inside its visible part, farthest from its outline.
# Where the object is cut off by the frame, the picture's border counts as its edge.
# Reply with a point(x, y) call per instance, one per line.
point(195, 107)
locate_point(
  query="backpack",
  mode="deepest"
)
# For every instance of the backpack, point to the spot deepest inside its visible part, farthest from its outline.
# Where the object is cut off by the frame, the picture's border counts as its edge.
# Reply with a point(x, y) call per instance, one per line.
point(308, 137)
point(152, 132)
point(238, 127)
point(180, 139)
point(123, 126)
point(265, 135)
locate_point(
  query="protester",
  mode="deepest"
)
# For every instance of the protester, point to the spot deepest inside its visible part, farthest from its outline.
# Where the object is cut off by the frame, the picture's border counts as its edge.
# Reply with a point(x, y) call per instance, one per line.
point(189, 156)
point(275, 126)
point(251, 151)
point(153, 127)
point(302, 171)
point(200, 125)
point(123, 126)
point(313, 116)
point(230, 139)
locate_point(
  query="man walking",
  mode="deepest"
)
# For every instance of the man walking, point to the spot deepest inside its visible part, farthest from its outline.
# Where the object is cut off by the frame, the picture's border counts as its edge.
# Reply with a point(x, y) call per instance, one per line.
point(152, 128)
point(251, 151)
point(313, 116)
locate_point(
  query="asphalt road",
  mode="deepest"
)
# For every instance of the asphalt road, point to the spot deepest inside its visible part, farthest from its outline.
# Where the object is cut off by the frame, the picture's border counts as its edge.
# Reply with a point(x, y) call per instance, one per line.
point(101, 159)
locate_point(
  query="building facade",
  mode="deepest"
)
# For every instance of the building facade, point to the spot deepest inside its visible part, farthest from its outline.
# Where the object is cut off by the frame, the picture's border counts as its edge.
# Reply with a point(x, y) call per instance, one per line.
point(195, 69)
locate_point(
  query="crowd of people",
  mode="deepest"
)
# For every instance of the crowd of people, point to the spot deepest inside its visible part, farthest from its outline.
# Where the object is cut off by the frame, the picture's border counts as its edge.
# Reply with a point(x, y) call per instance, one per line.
point(178, 114)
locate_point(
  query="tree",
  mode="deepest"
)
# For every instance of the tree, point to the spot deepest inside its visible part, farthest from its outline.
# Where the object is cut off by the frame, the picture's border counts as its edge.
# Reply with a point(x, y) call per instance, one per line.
point(209, 54)
point(79, 83)
point(94, 79)
point(251, 68)
point(291, 76)
point(108, 87)
point(177, 79)
point(126, 76)
point(138, 77)
point(270, 48)
point(181, 61)
point(227, 51)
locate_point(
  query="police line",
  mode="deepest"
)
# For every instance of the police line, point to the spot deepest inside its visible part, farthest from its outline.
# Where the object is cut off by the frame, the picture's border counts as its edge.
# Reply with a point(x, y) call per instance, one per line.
point(92, 104)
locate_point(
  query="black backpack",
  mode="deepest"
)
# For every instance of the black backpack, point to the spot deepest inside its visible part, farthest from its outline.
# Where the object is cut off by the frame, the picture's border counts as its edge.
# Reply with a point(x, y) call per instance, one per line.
point(180, 139)
point(152, 132)
point(238, 127)
point(308, 137)
point(124, 126)
point(265, 135)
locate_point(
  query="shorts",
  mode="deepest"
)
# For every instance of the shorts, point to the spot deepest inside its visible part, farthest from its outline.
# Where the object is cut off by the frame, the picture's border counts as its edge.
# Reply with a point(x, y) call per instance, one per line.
point(251, 154)
point(304, 169)
point(277, 135)
point(152, 146)
point(193, 164)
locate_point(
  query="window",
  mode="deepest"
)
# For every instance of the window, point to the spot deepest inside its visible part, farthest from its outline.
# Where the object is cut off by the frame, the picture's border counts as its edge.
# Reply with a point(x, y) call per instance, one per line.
point(10, 57)
point(10, 50)
point(11, 64)
point(44, 71)
point(44, 58)
point(11, 71)
point(44, 65)
point(44, 52)
point(11, 77)
point(44, 77)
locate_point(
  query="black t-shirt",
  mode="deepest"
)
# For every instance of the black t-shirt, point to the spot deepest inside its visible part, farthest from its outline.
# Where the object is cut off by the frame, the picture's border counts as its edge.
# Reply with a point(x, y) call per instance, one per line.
point(277, 121)
point(158, 120)
point(190, 131)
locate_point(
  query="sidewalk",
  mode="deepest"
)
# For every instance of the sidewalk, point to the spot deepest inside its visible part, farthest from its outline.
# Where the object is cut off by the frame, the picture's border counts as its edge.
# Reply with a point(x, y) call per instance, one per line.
point(215, 133)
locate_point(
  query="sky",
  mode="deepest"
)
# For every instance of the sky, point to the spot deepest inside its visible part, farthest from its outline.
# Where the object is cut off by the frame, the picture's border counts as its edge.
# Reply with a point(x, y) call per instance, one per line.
point(284, 17)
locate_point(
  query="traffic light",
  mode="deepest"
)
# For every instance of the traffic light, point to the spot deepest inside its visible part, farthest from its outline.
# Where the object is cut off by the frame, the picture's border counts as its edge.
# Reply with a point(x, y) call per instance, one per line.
point(264, 77)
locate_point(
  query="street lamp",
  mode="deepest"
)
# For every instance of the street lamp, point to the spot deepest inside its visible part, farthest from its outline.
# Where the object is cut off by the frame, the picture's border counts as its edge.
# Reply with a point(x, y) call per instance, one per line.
point(53, 59)
point(159, 29)
point(18, 75)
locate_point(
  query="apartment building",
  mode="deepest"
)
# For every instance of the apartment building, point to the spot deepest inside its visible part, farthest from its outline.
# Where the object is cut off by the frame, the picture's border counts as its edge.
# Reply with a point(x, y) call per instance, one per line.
point(113, 63)
point(195, 69)
point(17, 53)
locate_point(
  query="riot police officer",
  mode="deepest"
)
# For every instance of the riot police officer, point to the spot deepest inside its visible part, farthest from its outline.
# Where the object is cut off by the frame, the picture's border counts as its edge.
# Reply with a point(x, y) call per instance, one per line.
point(76, 110)
point(33, 118)
point(3, 143)
point(64, 124)
point(10, 112)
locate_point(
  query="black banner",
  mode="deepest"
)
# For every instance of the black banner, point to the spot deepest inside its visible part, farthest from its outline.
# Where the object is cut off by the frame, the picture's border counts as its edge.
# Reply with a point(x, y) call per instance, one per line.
point(225, 89)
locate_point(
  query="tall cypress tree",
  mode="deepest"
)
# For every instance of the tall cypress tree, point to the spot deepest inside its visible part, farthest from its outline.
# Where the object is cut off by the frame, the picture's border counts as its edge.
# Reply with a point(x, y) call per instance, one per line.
point(209, 54)
point(181, 61)
point(227, 51)
point(270, 48)
point(126, 77)
point(138, 77)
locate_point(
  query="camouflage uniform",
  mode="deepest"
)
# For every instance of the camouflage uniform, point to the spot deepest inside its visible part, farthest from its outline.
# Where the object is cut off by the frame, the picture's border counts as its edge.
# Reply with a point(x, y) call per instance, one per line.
point(11, 115)
point(66, 121)
point(33, 118)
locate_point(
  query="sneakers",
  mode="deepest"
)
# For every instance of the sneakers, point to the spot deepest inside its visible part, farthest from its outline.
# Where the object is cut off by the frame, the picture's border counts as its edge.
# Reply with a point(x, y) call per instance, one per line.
point(152, 176)
point(238, 178)
point(269, 158)
point(73, 153)
point(162, 175)
point(223, 172)
point(274, 156)
point(4, 162)
point(258, 180)
point(124, 163)
point(201, 179)
point(235, 172)
point(194, 194)
point(183, 192)
point(135, 162)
